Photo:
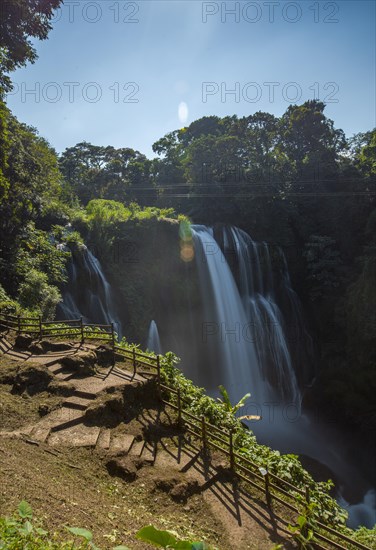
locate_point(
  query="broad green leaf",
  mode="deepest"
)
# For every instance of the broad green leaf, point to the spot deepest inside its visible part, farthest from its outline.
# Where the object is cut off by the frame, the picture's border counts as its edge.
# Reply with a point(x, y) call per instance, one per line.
point(163, 539)
point(225, 397)
point(41, 531)
point(78, 532)
point(242, 401)
point(302, 521)
point(26, 529)
point(25, 510)
point(184, 545)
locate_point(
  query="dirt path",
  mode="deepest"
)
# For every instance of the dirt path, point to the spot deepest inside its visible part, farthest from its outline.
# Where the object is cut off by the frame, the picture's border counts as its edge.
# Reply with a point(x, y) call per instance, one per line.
point(110, 477)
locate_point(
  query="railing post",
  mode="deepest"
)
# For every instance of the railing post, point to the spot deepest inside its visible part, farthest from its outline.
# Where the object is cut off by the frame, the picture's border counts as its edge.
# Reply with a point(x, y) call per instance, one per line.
point(113, 344)
point(159, 374)
point(267, 485)
point(19, 324)
point(134, 361)
point(40, 327)
point(307, 495)
point(82, 330)
point(232, 458)
point(267, 491)
point(264, 472)
point(179, 408)
point(203, 433)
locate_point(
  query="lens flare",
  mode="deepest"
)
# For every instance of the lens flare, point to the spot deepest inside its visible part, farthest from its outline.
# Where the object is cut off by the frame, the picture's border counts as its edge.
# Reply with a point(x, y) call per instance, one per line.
point(183, 112)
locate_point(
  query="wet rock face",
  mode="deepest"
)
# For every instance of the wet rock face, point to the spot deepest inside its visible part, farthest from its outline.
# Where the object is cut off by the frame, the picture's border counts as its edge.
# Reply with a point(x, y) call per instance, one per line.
point(32, 379)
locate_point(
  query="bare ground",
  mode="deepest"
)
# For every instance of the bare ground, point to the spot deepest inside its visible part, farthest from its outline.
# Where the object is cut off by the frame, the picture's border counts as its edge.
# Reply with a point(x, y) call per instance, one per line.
point(72, 486)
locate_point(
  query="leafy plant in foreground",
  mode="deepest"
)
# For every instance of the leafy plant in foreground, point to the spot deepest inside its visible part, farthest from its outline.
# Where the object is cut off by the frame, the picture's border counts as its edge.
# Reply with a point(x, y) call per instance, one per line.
point(303, 531)
point(19, 532)
point(233, 409)
point(166, 539)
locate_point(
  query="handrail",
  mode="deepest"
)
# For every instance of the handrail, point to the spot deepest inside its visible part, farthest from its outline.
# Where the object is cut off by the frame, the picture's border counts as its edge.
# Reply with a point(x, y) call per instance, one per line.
point(200, 428)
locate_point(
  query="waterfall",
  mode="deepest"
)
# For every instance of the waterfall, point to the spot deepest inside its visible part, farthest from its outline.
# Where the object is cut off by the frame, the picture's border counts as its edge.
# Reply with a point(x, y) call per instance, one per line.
point(88, 294)
point(262, 312)
point(243, 323)
point(253, 327)
point(153, 341)
point(362, 513)
point(224, 327)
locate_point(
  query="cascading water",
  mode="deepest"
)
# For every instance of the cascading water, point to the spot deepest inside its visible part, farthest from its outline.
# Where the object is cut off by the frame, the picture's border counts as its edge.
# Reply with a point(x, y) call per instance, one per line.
point(153, 341)
point(264, 315)
point(88, 293)
point(253, 325)
point(236, 365)
point(362, 513)
point(243, 326)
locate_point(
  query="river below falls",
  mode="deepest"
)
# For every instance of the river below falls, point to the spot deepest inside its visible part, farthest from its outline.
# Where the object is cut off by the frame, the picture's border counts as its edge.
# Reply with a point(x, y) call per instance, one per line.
point(327, 452)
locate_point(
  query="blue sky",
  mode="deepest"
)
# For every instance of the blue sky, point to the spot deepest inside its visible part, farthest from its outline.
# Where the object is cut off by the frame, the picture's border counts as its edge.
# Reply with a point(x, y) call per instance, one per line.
point(115, 72)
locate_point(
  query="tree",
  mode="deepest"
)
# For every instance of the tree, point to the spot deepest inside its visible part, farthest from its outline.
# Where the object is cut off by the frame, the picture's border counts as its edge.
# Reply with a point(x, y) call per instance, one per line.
point(37, 295)
point(21, 20)
point(310, 140)
point(323, 265)
point(363, 147)
point(32, 180)
point(105, 172)
point(4, 149)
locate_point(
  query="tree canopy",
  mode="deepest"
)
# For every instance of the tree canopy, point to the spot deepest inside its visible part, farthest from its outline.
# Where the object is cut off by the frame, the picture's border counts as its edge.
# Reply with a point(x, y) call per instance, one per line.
point(21, 20)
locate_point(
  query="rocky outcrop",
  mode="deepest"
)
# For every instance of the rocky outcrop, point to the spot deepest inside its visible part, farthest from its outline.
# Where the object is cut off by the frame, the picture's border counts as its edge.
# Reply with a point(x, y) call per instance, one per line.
point(82, 362)
point(123, 467)
point(31, 379)
point(179, 489)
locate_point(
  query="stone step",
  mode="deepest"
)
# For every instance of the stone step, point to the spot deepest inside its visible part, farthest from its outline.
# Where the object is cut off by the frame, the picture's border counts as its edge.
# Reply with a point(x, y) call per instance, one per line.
point(148, 453)
point(137, 448)
point(40, 433)
point(18, 355)
point(85, 394)
point(46, 360)
point(56, 368)
point(74, 418)
point(121, 442)
point(5, 346)
point(78, 403)
point(65, 376)
point(76, 436)
point(104, 439)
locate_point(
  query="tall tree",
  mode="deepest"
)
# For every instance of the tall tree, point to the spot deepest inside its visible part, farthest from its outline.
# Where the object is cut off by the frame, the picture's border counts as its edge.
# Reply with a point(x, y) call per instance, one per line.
point(105, 172)
point(21, 20)
point(32, 180)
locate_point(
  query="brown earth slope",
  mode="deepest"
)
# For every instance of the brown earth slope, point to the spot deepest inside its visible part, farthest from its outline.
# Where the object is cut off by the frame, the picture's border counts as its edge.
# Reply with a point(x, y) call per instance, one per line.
point(119, 467)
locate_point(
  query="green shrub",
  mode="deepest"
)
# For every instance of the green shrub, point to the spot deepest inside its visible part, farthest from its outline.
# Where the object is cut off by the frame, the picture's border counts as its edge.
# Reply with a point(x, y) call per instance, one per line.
point(37, 295)
point(22, 532)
